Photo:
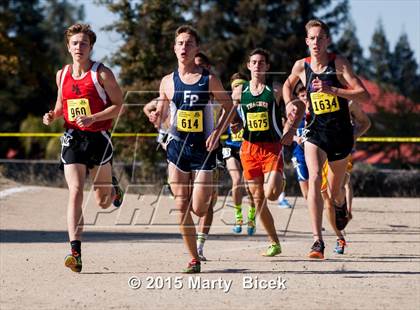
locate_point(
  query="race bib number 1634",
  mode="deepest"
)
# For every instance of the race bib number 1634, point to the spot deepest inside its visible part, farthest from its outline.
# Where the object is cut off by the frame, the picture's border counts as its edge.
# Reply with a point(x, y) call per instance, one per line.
point(324, 103)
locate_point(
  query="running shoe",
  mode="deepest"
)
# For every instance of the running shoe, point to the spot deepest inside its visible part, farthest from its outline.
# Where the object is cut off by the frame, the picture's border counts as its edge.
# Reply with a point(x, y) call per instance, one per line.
point(238, 227)
point(119, 193)
point(193, 267)
point(284, 204)
point(251, 227)
point(272, 250)
point(340, 245)
point(341, 216)
point(73, 261)
point(317, 250)
point(201, 254)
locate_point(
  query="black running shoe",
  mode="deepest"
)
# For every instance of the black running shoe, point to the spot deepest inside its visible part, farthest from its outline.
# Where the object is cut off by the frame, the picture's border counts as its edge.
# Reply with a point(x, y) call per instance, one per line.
point(119, 193)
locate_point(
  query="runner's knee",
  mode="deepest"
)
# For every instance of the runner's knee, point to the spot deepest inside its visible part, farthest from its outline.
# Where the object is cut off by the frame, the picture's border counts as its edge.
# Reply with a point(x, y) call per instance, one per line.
point(75, 192)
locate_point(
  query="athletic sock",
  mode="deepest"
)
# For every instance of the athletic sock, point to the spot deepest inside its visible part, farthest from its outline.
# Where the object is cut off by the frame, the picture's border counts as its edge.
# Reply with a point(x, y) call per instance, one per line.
point(282, 195)
point(238, 212)
point(76, 245)
point(251, 213)
point(201, 239)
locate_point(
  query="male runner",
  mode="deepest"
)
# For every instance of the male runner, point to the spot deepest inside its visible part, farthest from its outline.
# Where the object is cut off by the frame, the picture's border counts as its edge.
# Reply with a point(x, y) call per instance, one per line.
point(330, 83)
point(88, 98)
point(192, 135)
point(261, 150)
point(231, 156)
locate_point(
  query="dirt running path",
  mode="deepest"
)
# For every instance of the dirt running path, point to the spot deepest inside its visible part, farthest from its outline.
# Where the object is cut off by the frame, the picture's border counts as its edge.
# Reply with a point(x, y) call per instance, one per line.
point(380, 270)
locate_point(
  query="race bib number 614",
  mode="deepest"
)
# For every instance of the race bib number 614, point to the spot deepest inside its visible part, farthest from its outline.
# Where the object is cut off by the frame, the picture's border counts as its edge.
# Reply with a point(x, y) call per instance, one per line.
point(189, 121)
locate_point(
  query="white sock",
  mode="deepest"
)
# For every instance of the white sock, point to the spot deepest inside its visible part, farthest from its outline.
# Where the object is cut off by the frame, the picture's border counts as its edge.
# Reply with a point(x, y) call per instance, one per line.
point(201, 239)
point(282, 196)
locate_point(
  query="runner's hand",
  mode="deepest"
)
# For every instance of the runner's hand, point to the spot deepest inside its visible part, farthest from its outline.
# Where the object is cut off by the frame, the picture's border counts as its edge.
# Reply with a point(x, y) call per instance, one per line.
point(236, 127)
point(154, 118)
point(48, 118)
point(212, 143)
point(84, 121)
point(287, 138)
point(321, 86)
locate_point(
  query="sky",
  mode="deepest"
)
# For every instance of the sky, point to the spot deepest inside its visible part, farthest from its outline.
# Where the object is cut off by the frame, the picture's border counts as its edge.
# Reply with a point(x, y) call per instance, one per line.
point(397, 16)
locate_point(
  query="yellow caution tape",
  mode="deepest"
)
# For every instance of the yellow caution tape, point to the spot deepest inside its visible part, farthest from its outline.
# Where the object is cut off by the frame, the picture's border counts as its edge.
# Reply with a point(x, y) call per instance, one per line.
point(389, 139)
point(224, 137)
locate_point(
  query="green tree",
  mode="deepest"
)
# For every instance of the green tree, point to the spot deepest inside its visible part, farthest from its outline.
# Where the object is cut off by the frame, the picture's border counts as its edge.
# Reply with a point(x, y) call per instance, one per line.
point(404, 67)
point(380, 57)
point(58, 16)
point(30, 58)
point(232, 28)
point(228, 28)
point(348, 46)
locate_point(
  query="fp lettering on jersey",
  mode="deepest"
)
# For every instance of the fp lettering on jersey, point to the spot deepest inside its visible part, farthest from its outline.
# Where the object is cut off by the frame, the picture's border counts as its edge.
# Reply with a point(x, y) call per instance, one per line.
point(192, 98)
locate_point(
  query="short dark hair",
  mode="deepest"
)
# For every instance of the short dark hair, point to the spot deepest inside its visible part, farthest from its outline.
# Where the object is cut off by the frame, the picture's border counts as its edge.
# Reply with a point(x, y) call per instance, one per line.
point(298, 88)
point(80, 28)
point(204, 58)
point(317, 23)
point(260, 51)
point(190, 30)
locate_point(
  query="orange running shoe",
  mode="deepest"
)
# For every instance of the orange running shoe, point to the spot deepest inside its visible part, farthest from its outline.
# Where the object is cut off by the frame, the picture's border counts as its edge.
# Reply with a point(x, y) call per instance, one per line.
point(317, 250)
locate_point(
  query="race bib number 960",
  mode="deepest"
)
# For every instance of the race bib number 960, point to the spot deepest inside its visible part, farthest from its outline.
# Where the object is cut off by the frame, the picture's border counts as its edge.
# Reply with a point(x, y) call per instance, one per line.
point(76, 107)
point(189, 121)
point(324, 103)
point(257, 121)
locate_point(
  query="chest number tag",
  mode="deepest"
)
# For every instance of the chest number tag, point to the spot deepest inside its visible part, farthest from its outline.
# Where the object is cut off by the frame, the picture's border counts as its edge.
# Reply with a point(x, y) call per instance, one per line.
point(237, 137)
point(257, 121)
point(189, 121)
point(76, 107)
point(324, 103)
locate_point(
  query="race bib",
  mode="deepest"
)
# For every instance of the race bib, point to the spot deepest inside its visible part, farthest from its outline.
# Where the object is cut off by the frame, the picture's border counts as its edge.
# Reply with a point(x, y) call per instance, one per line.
point(324, 103)
point(76, 107)
point(237, 137)
point(257, 121)
point(189, 121)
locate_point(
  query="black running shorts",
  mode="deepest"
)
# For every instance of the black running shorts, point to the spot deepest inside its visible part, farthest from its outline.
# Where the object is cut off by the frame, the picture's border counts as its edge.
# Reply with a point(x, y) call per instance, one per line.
point(338, 145)
point(87, 148)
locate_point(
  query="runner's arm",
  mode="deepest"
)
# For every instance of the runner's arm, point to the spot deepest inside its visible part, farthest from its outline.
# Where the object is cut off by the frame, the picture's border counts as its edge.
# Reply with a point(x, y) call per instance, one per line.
point(157, 117)
point(114, 92)
point(52, 115)
point(221, 96)
point(360, 119)
point(295, 108)
point(290, 83)
point(150, 106)
point(355, 89)
point(236, 122)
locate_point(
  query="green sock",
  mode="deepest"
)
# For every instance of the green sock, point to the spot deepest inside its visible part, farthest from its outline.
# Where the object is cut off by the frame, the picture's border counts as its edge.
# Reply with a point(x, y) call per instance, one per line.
point(251, 213)
point(238, 212)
